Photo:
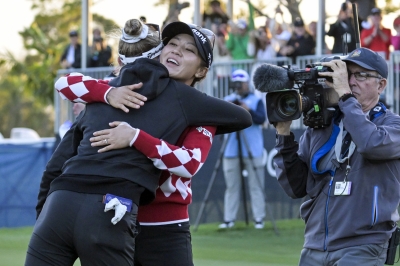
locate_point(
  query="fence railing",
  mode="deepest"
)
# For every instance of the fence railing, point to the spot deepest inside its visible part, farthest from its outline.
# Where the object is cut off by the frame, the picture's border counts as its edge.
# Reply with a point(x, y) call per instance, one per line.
point(217, 81)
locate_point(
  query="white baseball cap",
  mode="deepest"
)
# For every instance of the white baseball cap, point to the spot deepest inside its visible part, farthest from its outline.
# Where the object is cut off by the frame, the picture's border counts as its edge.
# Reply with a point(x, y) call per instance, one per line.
point(240, 75)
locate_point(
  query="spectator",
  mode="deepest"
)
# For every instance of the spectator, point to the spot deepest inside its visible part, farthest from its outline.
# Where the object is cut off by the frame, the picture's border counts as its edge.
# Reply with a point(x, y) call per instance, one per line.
point(71, 57)
point(77, 108)
point(376, 38)
point(343, 31)
point(250, 152)
point(100, 52)
point(238, 38)
point(300, 43)
point(261, 45)
point(350, 170)
point(395, 39)
point(279, 31)
point(143, 19)
point(217, 15)
point(221, 54)
point(312, 29)
point(221, 32)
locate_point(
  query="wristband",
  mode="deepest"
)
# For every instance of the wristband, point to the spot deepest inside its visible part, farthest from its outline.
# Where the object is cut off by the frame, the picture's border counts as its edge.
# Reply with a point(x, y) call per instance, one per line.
point(345, 96)
point(134, 137)
point(106, 94)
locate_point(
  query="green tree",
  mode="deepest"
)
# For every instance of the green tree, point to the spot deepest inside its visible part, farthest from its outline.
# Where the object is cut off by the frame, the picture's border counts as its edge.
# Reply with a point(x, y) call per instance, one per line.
point(46, 39)
point(19, 108)
point(27, 86)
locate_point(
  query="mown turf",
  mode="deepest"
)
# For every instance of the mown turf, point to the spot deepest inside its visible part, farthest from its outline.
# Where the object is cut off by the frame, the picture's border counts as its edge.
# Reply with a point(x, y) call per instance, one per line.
point(239, 246)
point(244, 245)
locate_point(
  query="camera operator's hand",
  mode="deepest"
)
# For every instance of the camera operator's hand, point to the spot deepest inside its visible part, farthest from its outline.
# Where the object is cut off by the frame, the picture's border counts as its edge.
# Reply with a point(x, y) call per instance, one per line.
point(339, 76)
point(283, 128)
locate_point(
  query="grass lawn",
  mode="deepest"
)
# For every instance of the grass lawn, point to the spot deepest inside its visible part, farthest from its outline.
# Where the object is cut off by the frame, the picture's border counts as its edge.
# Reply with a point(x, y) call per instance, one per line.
point(242, 245)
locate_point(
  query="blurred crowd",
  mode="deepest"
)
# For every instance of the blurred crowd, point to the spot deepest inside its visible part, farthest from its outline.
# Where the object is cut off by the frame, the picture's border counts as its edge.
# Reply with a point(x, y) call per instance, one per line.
point(99, 53)
point(240, 39)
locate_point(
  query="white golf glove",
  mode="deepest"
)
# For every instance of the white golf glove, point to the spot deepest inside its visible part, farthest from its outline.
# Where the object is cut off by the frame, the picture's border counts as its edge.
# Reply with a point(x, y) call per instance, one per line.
point(119, 208)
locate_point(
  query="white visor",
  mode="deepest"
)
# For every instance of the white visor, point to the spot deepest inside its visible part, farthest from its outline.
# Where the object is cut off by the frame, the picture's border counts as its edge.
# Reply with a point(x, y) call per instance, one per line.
point(151, 54)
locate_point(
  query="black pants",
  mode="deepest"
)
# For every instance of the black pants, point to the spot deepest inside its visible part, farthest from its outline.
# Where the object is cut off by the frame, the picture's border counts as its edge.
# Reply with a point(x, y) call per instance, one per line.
point(73, 225)
point(164, 245)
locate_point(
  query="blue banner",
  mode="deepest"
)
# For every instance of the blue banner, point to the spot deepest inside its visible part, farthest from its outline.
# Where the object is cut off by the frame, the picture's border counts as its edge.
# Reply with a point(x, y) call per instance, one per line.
point(21, 169)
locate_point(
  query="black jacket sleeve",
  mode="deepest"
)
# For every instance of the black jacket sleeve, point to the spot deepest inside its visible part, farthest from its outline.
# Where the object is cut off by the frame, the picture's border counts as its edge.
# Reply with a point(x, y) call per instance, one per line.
point(64, 55)
point(65, 150)
point(204, 110)
point(333, 29)
point(291, 171)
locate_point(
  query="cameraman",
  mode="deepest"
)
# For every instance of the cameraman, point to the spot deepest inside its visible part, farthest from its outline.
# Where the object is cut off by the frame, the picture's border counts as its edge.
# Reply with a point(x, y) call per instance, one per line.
point(354, 192)
point(250, 138)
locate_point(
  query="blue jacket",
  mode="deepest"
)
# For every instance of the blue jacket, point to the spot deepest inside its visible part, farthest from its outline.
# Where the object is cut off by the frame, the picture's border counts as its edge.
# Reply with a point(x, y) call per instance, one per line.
point(253, 134)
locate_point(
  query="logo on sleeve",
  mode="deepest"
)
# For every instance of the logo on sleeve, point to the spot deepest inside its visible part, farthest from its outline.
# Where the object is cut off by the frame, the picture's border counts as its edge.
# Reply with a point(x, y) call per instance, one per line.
point(205, 133)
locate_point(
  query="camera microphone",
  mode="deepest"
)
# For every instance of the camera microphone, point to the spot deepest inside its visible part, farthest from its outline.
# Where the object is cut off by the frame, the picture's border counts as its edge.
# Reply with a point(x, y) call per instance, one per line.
point(269, 78)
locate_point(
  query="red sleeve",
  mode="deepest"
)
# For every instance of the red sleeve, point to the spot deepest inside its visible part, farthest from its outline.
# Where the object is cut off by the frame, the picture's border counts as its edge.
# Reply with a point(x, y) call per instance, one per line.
point(388, 32)
point(364, 34)
point(183, 161)
point(84, 89)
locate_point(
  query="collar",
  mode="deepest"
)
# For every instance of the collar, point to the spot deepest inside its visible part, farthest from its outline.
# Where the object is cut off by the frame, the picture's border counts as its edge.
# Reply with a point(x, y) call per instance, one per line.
point(377, 111)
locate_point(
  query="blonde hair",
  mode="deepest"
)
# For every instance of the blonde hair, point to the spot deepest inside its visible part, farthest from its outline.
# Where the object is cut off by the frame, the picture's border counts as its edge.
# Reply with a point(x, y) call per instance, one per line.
point(134, 27)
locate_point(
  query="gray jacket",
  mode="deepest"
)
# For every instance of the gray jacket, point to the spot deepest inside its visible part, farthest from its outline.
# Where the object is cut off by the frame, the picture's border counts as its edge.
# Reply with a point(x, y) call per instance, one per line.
point(369, 214)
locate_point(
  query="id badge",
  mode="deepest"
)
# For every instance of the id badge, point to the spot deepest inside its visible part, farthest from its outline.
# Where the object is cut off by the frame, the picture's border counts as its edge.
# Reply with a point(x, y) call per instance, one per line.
point(342, 188)
point(124, 201)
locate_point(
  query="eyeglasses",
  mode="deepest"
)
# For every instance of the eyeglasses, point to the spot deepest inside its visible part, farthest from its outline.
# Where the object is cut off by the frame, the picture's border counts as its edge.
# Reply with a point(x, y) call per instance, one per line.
point(361, 76)
point(210, 35)
point(154, 27)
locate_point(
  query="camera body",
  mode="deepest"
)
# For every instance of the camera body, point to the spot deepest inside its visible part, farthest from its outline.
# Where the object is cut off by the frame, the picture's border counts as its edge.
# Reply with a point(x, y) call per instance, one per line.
point(310, 96)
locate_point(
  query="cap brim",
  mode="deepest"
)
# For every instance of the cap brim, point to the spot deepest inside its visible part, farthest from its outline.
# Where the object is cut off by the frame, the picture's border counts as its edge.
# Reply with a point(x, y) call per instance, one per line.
point(177, 27)
point(240, 80)
point(173, 29)
point(361, 64)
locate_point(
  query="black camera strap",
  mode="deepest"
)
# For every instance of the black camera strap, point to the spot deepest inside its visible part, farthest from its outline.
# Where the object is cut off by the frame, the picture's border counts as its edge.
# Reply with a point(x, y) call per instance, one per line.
point(392, 247)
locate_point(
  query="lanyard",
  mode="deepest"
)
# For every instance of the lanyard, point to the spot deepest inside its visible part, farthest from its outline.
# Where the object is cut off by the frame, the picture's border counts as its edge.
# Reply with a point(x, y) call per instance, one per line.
point(339, 143)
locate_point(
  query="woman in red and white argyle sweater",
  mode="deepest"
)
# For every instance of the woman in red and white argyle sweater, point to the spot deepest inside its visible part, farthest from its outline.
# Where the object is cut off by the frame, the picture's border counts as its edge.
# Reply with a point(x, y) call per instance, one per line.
point(165, 220)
